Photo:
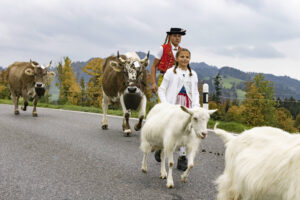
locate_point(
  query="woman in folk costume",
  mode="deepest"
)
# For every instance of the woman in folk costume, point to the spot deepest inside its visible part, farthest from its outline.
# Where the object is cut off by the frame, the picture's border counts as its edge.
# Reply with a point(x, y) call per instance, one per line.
point(165, 57)
point(180, 86)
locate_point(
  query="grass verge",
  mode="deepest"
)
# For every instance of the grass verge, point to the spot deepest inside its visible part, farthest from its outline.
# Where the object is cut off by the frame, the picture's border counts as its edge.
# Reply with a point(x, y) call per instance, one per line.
point(72, 107)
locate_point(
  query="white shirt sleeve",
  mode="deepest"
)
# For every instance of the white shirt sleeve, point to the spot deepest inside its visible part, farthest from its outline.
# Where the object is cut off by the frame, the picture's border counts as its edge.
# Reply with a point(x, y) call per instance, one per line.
point(162, 90)
point(195, 92)
point(159, 53)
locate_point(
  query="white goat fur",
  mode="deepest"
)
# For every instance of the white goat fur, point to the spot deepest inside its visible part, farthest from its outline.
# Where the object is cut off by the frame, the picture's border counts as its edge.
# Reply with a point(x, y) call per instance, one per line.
point(262, 163)
point(170, 126)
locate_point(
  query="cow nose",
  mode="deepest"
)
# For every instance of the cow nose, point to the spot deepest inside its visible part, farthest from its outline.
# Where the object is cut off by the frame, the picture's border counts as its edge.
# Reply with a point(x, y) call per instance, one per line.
point(39, 85)
point(131, 89)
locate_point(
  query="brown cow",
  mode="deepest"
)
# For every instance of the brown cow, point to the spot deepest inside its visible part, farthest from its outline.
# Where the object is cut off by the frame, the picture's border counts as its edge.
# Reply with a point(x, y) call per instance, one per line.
point(27, 79)
point(124, 80)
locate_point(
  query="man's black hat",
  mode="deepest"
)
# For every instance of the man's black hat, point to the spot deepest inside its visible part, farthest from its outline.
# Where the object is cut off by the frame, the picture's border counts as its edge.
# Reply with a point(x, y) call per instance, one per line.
point(176, 31)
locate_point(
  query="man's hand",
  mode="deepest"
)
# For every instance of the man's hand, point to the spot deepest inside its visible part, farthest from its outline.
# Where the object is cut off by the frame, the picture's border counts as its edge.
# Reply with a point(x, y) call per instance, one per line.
point(154, 87)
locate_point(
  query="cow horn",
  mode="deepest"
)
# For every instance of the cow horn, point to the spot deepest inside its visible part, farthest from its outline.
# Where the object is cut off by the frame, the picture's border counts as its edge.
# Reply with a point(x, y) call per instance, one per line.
point(49, 64)
point(120, 58)
point(146, 59)
point(32, 63)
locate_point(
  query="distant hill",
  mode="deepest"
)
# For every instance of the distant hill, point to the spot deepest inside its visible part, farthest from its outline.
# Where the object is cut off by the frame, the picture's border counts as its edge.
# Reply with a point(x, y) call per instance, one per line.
point(233, 80)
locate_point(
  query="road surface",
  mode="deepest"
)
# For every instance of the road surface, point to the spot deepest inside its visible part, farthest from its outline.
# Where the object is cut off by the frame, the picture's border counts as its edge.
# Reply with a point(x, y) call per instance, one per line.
point(66, 155)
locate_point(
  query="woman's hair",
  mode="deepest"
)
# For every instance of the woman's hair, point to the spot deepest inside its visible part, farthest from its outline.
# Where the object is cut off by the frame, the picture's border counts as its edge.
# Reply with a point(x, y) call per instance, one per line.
point(176, 63)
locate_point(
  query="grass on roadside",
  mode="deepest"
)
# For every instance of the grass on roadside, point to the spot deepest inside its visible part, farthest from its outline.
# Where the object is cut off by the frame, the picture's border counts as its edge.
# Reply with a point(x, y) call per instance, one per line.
point(234, 127)
point(72, 107)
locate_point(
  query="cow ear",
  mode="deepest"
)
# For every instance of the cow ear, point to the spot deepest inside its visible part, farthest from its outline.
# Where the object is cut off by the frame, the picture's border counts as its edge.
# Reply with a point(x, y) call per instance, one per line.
point(212, 111)
point(186, 110)
point(29, 72)
point(51, 74)
point(115, 65)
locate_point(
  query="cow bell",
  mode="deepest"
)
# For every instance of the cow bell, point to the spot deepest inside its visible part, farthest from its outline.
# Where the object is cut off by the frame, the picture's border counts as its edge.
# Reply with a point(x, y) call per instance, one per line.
point(40, 91)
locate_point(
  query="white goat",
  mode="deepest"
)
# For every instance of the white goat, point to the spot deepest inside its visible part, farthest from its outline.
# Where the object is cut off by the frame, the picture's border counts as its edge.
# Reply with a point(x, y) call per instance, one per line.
point(170, 126)
point(262, 163)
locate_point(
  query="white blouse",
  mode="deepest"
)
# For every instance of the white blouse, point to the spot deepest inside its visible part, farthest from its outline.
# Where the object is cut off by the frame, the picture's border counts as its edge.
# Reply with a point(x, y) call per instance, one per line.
point(172, 84)
point(161, 50)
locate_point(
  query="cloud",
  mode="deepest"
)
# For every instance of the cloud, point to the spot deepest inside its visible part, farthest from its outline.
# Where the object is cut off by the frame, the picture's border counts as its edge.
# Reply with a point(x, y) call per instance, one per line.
point(51, 29)
point(250, 51)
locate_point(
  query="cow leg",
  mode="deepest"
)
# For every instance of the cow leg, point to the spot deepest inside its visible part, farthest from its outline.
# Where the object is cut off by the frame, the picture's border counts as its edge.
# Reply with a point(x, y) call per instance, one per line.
point(105, 102)
point(126, 114)
point(15, 99)
point(35, 100)
point(142, 113)
point(125, 125)
point(25, 98)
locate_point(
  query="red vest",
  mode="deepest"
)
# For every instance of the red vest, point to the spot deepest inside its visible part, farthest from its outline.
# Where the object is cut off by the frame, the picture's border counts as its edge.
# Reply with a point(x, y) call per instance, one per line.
point(167, 59)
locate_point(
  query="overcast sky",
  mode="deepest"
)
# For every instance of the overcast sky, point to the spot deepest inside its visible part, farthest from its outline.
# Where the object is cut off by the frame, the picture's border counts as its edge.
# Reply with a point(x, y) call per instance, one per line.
point(250, 35)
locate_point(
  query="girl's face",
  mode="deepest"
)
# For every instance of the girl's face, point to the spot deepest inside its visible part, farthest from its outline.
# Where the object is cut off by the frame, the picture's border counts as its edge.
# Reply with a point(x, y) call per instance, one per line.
point(183, 59)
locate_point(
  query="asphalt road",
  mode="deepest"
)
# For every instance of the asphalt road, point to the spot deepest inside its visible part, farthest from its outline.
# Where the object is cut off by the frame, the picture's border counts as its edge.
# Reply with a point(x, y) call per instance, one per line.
point(66, 155)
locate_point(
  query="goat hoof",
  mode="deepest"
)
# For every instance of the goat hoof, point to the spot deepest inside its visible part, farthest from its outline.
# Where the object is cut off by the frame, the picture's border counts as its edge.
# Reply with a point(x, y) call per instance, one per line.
point(170, 185)
point(17, 112)
point(163, 176)
point(144, 170)
point(183, 179)
point(34, 114)
point(23, 108)
point(104, 127)
point(127, 133)
point(137, 127)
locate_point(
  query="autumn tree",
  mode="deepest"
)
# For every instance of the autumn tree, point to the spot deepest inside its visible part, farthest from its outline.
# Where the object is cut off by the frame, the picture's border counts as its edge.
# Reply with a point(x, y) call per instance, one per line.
point(259, 103)
point(297, 122)
point(266, 88)
point(94, 86)
point(285, 120)
point(4, 91)
point(82, 98)
point(254, 105)
point(234, 113)
point(67, 83)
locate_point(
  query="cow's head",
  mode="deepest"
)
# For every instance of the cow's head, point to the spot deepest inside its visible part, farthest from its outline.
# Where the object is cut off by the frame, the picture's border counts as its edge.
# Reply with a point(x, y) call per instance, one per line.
point(40, 75)
point(199, 118)
point(133, 69)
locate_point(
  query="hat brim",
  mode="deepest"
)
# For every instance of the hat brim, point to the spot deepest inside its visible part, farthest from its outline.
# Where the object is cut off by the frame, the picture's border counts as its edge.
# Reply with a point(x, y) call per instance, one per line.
point(180, 33)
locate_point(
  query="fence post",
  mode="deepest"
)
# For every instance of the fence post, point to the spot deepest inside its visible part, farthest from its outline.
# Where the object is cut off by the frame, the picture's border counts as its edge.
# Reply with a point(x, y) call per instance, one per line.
point(205, 95)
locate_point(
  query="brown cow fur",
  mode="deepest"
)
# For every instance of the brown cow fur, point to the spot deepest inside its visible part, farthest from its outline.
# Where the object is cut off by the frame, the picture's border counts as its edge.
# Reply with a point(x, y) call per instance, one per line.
point(114, 84)
point(23, 85)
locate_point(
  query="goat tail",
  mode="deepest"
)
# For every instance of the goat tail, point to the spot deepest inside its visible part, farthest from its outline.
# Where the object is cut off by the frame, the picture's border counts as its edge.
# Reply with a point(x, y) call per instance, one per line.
point(223, 134)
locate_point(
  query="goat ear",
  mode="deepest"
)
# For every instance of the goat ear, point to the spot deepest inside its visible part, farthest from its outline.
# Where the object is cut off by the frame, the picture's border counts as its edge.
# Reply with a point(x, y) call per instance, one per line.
point(186, 110)
point(29, 72)
point(115, 65)
point(212, 111)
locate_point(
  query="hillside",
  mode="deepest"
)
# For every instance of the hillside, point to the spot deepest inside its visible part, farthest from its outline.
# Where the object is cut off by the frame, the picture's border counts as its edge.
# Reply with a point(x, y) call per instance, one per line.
point(232, 79)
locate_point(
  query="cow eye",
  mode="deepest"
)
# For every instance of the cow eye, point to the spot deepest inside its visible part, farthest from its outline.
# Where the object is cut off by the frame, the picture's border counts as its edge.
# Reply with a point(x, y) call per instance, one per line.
point(196, 119)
